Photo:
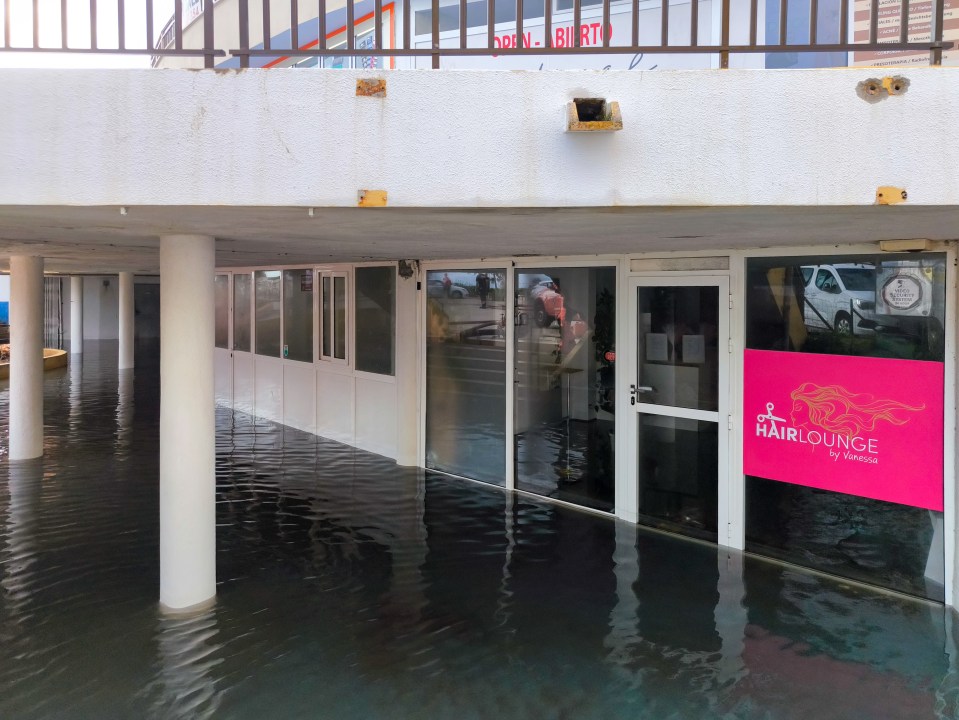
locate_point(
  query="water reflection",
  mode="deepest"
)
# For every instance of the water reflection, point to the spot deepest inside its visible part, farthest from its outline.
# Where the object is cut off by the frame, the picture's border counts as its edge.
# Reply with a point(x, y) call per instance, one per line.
point(124, 412)
point(20, 534)
point(185, 684)
point(350, 588)
point(75, 369)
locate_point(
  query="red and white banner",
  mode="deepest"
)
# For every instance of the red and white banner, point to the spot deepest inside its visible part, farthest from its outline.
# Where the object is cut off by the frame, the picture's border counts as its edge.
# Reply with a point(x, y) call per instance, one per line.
point(871, 427)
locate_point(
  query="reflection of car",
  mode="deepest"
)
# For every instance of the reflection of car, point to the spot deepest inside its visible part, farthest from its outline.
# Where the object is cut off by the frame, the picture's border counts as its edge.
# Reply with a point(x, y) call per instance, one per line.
point(434, 288)
point(547, 303)
point(840, 297)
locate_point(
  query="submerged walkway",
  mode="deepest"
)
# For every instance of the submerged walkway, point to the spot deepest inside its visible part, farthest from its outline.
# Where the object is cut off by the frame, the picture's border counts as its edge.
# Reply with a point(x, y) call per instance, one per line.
point(350, 588)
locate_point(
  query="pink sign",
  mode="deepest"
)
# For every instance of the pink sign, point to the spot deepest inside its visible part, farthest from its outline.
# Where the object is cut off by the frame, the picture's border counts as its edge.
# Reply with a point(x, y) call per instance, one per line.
point(863, 426)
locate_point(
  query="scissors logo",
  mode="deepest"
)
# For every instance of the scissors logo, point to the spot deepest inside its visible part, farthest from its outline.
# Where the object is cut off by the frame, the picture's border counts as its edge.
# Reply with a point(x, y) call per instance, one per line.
point(769, 415)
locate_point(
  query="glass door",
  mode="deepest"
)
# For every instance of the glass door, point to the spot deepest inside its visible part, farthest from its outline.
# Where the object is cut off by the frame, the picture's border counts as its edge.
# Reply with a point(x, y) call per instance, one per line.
point(680, 330)
point(466, 373)
point(564, 346)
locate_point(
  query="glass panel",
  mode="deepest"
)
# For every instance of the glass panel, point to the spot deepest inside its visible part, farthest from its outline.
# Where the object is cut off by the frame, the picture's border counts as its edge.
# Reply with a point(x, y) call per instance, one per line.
point(375, 313)
point(883, 306)
point(677, 347)
point(339, 317)
point(897, 546)
point(221, 300)
point(879, 306)
point(678, 470)
point(326, 318)
point(565, 379)
point(266, 288)
point(298, 315)
point(466, 376)
point(241, 312)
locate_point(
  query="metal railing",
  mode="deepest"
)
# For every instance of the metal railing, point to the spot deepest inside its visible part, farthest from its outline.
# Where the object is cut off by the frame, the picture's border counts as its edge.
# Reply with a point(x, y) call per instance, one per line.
point(861, 26)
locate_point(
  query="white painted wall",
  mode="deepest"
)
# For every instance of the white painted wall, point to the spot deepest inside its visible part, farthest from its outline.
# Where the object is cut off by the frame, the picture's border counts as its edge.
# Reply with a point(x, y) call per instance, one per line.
point(101, 308)
point(736, 137)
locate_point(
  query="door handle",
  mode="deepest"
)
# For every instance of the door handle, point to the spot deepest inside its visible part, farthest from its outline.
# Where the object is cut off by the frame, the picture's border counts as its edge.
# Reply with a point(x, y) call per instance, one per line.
point(633, 390)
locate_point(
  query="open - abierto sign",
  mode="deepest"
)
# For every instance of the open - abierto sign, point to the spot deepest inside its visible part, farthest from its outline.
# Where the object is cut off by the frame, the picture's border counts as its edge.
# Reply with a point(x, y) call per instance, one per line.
point(871, 427)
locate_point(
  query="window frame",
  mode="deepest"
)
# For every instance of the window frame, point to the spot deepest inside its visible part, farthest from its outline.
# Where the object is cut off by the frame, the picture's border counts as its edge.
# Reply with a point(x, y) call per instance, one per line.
point(326, 322)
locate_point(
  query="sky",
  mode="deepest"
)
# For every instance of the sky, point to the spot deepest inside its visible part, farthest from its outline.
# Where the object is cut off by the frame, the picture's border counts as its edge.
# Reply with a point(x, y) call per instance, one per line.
point(78, 21)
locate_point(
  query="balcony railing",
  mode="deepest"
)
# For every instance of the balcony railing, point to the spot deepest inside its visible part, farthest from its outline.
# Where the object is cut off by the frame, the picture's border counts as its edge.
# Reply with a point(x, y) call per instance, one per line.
point(242, 33)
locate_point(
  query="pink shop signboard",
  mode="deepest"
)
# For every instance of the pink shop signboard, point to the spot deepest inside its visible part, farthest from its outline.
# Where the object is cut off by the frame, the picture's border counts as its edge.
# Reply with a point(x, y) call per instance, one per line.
point(871, 427)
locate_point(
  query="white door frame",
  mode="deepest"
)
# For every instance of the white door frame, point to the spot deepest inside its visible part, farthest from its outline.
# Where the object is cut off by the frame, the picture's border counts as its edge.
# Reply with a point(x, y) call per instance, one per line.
point(729, 514)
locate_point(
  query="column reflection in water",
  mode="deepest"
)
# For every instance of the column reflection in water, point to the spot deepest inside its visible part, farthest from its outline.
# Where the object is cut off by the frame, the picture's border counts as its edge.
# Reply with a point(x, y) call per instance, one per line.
point(124, 413)
point(466, 374)
point(731, 618)
point(947, 692)
point(405, 539)
point(20, 575)
point(187, 656)
point(76, 392)
point(565, 378)
point(624, 637)
point(20, 535)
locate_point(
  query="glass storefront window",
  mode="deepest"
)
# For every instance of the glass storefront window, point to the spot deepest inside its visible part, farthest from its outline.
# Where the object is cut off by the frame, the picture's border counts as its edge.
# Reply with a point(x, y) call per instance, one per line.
point(374, 311)
point(878, 306)
point(266, 290)
point(333, 316)
point(221, 300)
point(242, 290)
point(861, 341)
point(466, 374)
point(339, 317)
point(565, 340)
point(298, 315)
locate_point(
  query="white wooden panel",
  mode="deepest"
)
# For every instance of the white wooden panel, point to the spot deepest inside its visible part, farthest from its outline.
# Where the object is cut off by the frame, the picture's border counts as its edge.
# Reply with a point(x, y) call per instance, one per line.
point(243, 382)
point(223, 377)
point(376, 416)
point(334, 406)
point(299, 396)
point(268, 388)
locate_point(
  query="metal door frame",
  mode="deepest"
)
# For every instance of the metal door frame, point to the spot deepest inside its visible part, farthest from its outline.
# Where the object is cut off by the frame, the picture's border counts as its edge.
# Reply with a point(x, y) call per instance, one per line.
point(729, 515)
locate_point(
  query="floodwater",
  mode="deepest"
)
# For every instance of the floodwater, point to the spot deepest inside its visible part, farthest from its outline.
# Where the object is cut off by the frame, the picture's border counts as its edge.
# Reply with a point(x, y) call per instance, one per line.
point(350, 588)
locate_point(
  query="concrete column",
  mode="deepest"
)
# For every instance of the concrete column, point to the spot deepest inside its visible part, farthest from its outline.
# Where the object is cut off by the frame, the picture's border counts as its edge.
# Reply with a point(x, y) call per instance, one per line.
point(407, 372)
point(125, 333)
point(76, 315)
point(187, 473)
point(26, 357)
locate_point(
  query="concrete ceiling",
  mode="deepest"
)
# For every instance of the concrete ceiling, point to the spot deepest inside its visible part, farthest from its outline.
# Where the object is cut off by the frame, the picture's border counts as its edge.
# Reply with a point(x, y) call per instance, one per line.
point(102, 240)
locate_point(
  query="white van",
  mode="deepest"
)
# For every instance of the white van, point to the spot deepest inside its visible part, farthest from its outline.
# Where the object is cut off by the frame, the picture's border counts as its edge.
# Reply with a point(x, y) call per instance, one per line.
point(841, 298)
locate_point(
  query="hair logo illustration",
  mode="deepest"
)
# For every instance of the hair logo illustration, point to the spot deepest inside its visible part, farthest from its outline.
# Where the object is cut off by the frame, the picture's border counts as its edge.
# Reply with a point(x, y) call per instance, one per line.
point(835, 409)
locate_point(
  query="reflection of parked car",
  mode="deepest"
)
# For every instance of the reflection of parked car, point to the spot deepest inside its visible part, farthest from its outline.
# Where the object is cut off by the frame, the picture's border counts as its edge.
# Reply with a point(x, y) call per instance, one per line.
point(434, 288)
point(547, 302)
point(840, 297)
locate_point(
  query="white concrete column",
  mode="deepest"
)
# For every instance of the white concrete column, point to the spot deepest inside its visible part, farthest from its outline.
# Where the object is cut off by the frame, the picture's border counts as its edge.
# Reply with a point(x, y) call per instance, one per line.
point(125, 333)
point(76, 315)
point(407, 372)
point(26, 357)
point(187, 473)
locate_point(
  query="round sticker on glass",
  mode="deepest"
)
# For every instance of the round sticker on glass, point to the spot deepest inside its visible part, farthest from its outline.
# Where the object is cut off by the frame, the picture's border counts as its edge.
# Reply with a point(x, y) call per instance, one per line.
point(902, 292)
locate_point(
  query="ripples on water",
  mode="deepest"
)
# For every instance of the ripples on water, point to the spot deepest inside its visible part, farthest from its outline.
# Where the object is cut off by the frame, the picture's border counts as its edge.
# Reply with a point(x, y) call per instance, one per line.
point(350, 588)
